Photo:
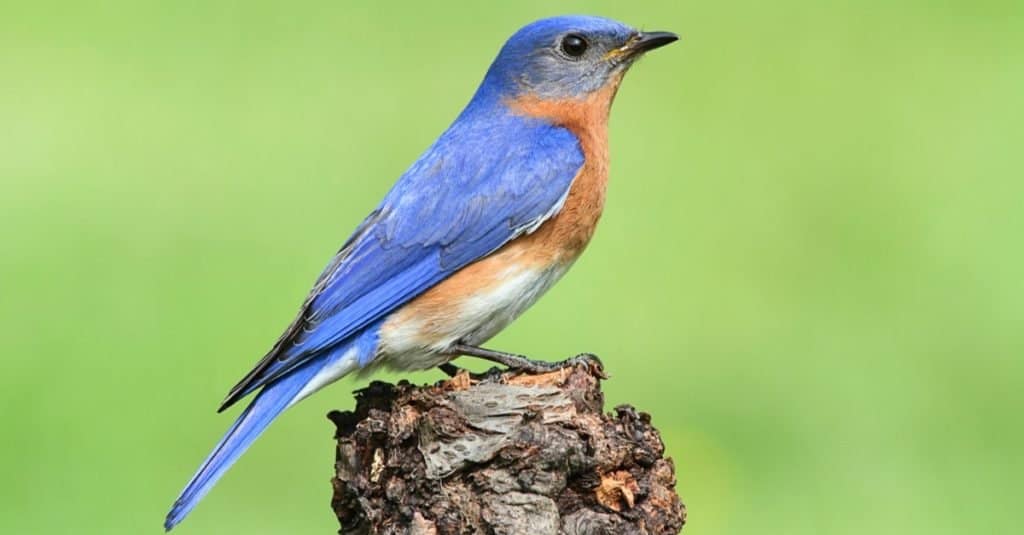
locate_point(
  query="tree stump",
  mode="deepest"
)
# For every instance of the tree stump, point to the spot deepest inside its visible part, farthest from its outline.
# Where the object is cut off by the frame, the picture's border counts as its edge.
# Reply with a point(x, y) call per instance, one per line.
point(510, 453)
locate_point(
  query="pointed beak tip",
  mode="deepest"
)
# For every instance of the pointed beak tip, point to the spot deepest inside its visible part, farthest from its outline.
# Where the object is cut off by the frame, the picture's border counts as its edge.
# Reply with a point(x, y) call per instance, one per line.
point(644, 42)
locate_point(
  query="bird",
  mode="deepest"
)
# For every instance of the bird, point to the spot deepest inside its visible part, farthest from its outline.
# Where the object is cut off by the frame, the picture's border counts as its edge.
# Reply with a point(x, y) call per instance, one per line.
point(482, 224)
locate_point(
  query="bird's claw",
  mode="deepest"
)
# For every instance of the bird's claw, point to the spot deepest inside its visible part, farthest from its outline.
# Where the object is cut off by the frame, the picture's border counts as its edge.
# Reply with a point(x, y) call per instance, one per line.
point(520, 363)
point(592, 363)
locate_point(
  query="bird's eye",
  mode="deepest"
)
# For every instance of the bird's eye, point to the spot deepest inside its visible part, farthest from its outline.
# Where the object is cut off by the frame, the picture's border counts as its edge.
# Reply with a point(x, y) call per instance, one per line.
point(574, 45)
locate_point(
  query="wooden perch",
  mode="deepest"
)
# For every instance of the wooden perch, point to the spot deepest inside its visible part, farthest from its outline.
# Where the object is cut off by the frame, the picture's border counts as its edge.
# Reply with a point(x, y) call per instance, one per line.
point(508, 454)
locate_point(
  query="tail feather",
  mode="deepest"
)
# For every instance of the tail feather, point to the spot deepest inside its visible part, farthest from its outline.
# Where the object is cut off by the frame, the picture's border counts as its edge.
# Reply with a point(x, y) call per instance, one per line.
point(267, 405)
point(250, 424)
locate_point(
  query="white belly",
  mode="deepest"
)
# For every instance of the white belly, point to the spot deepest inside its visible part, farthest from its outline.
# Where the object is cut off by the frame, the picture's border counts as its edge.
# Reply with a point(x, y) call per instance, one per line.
point(417, 342)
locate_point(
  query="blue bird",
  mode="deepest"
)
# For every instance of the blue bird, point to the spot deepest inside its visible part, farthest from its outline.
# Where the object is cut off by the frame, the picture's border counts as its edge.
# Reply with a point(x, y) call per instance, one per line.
point(471, 235)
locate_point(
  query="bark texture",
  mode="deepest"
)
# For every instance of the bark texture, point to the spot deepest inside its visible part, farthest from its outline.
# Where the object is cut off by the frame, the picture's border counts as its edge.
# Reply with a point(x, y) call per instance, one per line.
point(508, 454)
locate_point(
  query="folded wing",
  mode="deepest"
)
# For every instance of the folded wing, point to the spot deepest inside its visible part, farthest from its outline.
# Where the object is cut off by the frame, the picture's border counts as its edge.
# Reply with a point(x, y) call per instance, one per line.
point(459, 202)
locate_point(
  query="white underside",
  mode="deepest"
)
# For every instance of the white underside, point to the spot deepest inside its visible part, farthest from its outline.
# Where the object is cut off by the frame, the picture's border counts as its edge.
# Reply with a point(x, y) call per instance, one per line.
point(418, 343)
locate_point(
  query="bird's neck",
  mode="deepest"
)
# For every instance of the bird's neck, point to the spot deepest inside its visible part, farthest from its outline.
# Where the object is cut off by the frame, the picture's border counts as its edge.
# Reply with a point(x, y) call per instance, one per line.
point(584, 116)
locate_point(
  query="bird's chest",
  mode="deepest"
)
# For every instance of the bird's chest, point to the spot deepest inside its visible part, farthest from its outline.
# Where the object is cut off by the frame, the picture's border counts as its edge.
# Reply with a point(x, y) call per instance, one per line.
point(484, 297)
point(564, 236)
point(527, 267)
point(481, 299)
point(567, 233)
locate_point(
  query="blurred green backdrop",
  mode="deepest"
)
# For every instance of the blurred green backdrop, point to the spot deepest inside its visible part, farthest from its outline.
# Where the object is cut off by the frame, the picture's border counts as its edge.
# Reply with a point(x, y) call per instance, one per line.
point(810, 269)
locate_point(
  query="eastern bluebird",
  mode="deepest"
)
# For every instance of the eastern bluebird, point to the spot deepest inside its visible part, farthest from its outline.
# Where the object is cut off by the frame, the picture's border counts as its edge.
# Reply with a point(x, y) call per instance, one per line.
point(478, 228)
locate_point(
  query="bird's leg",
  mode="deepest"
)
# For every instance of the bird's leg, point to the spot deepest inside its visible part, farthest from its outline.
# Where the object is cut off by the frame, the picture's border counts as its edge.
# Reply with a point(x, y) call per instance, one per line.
point(519, 362)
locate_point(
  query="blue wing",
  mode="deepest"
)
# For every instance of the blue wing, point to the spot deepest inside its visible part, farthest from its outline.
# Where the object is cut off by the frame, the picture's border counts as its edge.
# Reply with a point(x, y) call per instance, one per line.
point(464, 198)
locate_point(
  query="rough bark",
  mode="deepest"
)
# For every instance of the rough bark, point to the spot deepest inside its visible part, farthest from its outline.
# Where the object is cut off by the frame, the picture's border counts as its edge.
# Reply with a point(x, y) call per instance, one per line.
point(507, 454)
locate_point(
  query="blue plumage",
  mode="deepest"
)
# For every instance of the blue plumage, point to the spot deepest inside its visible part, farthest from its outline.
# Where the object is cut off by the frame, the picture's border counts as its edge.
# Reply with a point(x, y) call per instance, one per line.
point(495, 174)
point(476, 198)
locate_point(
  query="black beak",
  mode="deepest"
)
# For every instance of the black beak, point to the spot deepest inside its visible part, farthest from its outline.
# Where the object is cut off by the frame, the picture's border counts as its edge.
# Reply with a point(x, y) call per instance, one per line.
point(647, 41)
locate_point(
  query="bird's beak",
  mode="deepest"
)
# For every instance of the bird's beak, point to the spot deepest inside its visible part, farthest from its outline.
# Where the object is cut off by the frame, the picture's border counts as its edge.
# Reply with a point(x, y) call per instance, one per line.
point(642, 42)
point(648, 41)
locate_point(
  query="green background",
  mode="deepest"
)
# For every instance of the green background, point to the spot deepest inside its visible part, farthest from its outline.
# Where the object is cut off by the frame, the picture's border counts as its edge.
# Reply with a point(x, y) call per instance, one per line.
point(810, 270)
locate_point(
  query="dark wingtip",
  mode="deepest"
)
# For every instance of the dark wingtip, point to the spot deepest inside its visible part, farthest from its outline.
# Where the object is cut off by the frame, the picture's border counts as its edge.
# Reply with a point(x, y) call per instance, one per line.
point(228, 402)
point(236, 393)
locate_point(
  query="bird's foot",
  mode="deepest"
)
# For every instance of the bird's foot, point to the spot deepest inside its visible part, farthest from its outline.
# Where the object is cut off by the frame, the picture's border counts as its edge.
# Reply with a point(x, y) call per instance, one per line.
point(521, 363)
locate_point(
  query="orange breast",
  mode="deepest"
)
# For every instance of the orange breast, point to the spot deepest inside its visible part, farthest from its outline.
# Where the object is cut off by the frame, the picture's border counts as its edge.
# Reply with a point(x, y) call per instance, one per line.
point(559, 240)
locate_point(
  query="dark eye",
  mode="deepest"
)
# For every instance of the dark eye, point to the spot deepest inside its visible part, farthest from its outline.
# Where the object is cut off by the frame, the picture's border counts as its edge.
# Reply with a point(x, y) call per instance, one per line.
point(574, 45)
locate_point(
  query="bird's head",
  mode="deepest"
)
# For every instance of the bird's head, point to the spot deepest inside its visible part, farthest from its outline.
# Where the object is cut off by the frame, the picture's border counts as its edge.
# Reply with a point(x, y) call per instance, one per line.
point(568, 58)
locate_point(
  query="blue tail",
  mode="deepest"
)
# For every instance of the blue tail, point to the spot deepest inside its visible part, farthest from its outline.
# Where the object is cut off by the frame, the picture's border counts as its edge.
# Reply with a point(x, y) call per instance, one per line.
point(268, 404)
